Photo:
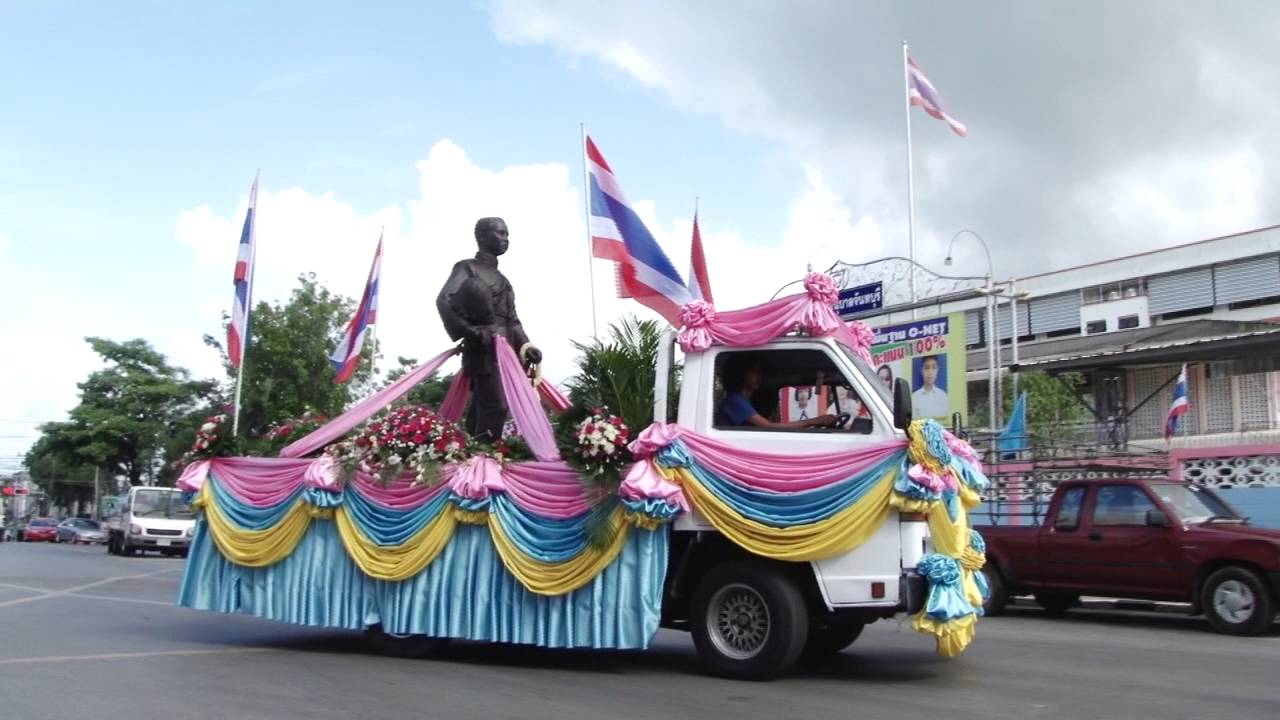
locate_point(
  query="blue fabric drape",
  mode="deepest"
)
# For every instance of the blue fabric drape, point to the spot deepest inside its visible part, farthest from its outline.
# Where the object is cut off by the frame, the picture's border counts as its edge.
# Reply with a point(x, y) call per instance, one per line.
point(385, 526)
point(546, 539)
point(465, 593)
point(781, 509)
point(248, 516)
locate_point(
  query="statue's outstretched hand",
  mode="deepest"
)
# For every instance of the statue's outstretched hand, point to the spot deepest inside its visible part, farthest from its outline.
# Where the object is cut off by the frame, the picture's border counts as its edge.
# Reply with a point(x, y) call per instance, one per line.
point(531, 355)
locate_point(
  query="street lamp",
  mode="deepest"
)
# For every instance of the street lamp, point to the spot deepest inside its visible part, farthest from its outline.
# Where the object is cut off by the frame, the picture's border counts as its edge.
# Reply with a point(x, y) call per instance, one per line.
point(993, 374)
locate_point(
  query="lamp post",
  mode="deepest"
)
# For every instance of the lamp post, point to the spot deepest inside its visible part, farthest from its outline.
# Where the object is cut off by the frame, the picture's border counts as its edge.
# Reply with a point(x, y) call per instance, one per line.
point(993, 374)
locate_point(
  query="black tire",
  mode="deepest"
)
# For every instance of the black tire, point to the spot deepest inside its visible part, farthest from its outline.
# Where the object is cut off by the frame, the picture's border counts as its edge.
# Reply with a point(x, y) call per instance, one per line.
point(830, 638)
point(1237, 602)
point(766, 635)
point(403, 646)
point(999, 599)
point(1057, 604)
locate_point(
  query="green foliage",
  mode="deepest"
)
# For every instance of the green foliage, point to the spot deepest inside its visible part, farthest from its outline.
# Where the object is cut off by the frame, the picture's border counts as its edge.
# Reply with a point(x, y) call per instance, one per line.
point(286, 368)
point(1054, 413)
point(130, 413)
point(619, 374)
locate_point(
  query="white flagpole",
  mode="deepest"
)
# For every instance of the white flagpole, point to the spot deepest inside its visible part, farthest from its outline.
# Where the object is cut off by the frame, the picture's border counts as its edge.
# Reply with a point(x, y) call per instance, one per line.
point(911, 189)
point(586, 209)
point(248, 298)
point(373, 329)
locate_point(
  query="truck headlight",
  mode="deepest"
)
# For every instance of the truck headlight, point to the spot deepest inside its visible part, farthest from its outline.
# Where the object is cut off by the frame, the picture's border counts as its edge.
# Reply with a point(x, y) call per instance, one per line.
point(191, 531)
point(135, 529)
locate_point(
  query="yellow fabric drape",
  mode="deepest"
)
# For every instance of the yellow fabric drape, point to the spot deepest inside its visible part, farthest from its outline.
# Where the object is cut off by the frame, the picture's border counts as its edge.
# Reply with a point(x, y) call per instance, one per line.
point(255, 548)
point(838, 534)
point(559, 578)
point(396, 562)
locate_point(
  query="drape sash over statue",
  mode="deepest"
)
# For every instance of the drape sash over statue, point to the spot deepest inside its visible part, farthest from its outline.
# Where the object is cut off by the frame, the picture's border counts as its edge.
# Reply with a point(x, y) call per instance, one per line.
point(503, 551)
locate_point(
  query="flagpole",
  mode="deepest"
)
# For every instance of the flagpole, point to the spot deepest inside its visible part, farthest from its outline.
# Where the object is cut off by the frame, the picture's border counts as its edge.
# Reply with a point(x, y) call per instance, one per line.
point(248, 300)
point(377, 320)
point(586, 212)
point(911, 188)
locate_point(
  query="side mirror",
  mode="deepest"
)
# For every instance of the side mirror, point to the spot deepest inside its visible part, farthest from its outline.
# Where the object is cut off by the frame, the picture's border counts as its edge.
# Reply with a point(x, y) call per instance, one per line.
point(1157, 518)
point(901, 404)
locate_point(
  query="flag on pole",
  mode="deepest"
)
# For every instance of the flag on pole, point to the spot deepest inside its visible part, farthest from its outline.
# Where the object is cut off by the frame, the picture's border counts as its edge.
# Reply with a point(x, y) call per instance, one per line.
point(923, 93)
point(645, 273)
point(346, 356)
point(238, 330)
point(1181, 405)
point(699, 280)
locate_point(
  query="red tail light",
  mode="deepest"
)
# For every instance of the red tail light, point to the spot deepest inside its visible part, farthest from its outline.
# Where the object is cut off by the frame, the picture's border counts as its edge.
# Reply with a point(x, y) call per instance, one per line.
point(914, 517)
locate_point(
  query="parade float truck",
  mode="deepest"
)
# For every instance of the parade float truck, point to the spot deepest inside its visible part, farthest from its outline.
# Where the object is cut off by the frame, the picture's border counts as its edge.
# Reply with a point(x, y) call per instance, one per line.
point(763, 543)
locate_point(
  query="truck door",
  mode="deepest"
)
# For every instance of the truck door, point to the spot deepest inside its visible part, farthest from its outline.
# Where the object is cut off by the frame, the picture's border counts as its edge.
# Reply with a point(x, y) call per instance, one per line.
point(1123, 555)
point(1061, 543)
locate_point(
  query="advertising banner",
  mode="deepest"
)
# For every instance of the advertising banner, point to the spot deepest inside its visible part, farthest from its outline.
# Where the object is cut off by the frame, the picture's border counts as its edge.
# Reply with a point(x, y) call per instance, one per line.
point(930, 355)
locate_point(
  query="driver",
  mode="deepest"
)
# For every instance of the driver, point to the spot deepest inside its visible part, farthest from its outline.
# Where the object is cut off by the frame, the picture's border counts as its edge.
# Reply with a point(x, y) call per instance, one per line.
point(742, 378)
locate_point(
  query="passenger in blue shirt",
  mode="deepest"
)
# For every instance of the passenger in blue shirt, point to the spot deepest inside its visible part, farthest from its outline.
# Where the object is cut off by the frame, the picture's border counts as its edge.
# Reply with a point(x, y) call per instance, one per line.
point(741, 381)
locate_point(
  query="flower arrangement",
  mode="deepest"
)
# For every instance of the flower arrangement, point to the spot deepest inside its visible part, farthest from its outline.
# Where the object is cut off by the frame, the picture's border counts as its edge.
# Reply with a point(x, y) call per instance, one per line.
point(211, 440)
point(410, 438)
point(599, 448)
point(281, 434)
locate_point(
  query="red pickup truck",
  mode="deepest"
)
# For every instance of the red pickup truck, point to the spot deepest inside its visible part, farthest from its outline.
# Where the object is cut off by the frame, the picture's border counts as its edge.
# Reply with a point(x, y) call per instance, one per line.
point(1146, 539)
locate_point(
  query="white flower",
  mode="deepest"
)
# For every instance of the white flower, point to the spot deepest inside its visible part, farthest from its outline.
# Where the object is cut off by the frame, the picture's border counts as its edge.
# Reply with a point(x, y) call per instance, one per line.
point(610, 432)
point(393, 460)
point(608, 449)
point(208, 427)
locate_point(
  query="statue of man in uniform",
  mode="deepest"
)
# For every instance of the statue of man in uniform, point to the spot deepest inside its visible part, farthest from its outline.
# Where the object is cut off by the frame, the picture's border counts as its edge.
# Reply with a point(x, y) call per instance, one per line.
point(477, 305)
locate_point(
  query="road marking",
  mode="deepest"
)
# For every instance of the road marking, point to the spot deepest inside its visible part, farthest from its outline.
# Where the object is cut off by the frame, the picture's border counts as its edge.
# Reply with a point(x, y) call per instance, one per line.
point(128, 656)
point(121, 599)
point(72, 590)
point(28, 588)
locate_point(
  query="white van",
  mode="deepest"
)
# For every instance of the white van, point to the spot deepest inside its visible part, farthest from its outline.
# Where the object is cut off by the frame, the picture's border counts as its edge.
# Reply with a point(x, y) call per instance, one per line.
point(150, 518)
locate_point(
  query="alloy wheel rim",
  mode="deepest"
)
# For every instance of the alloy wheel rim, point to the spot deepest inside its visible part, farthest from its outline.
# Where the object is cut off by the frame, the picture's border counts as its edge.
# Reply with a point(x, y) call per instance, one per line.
point(739, 622)
point(1234, 601)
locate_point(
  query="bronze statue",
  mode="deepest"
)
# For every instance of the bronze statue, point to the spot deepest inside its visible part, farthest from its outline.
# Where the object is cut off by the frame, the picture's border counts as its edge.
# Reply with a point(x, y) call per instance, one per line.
point(477, 304)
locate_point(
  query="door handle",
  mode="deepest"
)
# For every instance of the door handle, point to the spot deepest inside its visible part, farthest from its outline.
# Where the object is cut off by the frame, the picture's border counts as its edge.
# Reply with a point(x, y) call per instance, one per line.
point(1096, 537)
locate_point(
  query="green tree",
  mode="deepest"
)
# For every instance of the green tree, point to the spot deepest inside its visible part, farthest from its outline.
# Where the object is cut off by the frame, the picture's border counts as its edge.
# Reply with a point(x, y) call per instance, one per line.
point(286, 367)
point(1055, 415)
point(620, 373)
point(129, 413)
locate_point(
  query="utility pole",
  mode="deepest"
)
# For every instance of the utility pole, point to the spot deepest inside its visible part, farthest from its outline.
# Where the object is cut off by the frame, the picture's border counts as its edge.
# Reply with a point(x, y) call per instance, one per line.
point(97, 499)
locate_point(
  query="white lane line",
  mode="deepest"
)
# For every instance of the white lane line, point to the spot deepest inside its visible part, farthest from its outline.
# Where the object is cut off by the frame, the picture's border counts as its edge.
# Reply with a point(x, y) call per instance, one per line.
point(71, 590)
point(124, 600)
point(27, 588)
point(127, 656)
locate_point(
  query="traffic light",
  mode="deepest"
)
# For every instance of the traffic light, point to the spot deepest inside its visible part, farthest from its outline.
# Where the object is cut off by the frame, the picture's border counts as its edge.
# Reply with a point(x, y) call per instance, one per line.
point(8, 490)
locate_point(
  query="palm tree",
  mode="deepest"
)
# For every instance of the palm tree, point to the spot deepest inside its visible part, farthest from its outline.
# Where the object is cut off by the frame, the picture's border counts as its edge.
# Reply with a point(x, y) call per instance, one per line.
point(620, 374)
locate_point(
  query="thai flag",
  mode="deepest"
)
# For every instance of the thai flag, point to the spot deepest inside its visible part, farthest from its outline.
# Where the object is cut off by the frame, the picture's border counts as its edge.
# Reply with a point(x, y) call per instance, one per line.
point(644, 271)
point(238, 330)
point(699, 280)
point(923, 93)
point(346, 356)
point(1180, 405)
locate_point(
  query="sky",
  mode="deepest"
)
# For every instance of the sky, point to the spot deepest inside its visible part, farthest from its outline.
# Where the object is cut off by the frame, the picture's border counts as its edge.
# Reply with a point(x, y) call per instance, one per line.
point(130, 134)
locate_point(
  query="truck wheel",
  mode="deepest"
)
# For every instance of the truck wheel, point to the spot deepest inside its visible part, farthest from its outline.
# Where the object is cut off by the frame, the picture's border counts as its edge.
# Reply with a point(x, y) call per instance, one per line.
point(749, 621)
point(1057, 603)
point(1236, 602)
point(831, 638)
point(995, 604)
point(403, 646)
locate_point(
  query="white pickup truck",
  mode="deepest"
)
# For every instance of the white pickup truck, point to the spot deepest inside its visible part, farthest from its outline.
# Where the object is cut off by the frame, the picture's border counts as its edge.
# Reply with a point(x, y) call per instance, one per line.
point(150, 518)
point(751, 616)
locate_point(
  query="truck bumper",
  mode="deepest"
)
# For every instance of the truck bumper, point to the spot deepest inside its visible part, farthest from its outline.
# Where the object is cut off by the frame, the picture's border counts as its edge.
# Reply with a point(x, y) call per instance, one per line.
point(915, 590)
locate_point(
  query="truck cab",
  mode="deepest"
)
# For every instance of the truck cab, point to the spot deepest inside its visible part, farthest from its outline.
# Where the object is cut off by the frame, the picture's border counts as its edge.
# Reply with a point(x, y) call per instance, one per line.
point(150, 518)
point(750, 615)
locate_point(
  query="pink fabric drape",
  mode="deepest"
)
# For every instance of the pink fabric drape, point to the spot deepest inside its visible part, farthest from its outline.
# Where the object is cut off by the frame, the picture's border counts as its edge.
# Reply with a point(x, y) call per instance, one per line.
point(522, 400)
point(255, 481)
point(552, 395)
point(644, 482)
point(365, 409)
point(703, 326)
point(550, 489)
point(399, 494)
point(766, 471)
point(455, 401)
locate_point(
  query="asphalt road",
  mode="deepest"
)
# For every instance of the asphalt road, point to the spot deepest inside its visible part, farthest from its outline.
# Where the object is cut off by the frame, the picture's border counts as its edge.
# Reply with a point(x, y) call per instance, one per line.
point(88, 635)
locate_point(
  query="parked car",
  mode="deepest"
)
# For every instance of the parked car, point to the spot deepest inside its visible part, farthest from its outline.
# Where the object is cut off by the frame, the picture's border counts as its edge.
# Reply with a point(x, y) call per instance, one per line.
point(1144, 539)
point(81, 531)
point(40, 530)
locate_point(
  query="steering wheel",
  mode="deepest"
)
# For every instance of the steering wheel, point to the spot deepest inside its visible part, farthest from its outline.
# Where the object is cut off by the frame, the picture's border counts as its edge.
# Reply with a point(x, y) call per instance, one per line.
point(842, 419)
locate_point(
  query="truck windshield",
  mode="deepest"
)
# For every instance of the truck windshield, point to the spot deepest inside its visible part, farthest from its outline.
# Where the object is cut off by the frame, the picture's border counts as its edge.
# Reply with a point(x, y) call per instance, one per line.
point(161, 502)
point(881, 388)
point(1193, 504)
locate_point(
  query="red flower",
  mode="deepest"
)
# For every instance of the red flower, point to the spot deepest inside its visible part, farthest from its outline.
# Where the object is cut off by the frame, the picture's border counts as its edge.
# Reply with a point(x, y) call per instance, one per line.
point(419, 439)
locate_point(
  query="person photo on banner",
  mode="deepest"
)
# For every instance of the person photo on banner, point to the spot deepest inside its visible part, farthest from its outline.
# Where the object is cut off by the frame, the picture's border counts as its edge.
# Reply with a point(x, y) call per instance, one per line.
point(929, 380)
point(847, 401)
point(804, 403)
point(885, 373)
